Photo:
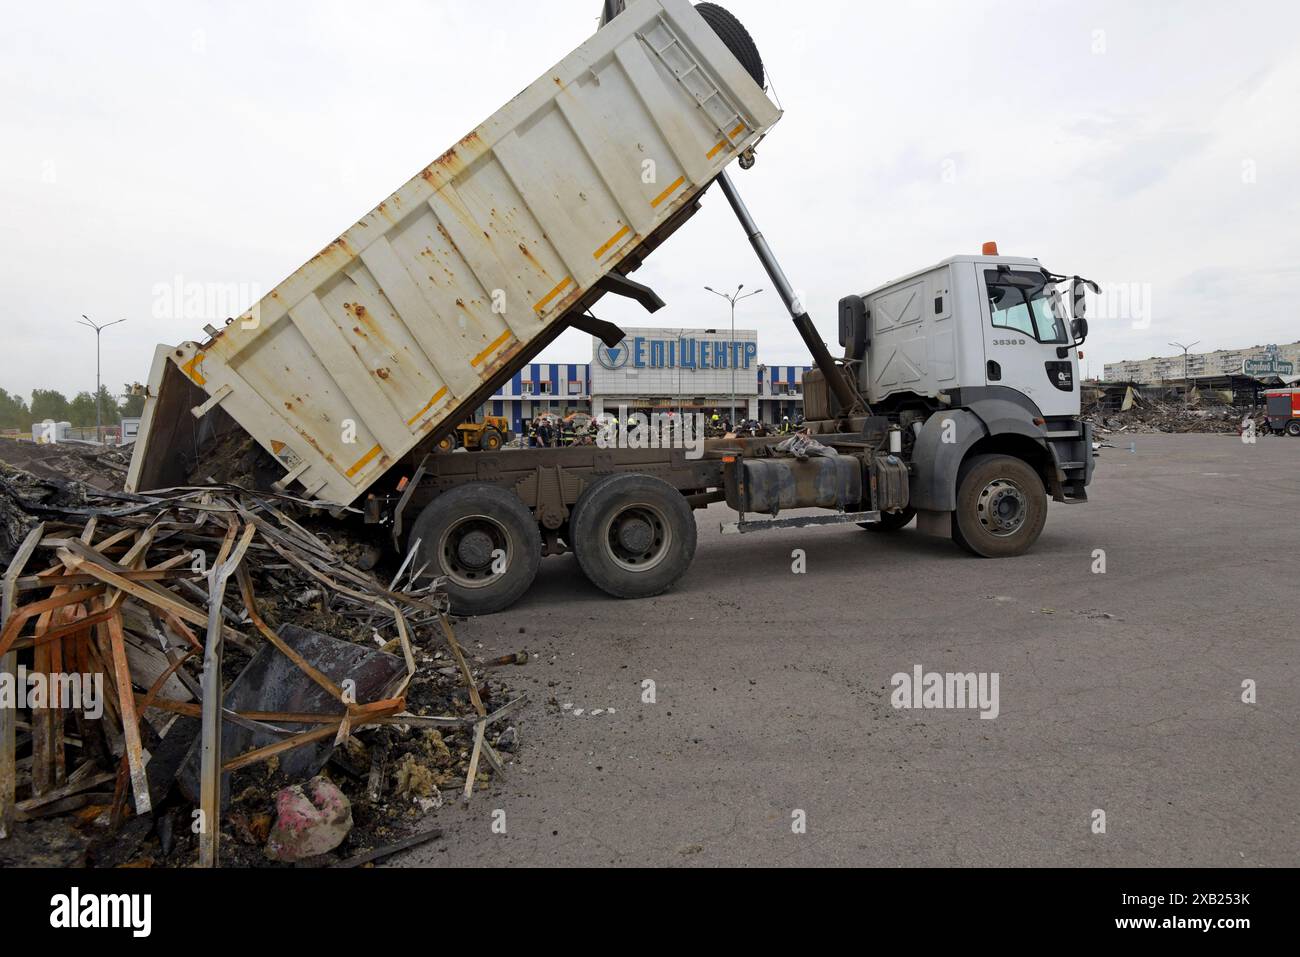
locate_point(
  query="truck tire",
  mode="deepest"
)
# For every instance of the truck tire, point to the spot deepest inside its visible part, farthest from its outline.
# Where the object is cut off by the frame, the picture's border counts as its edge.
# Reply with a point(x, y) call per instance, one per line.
point(491, 440)
point(1001, 506)
point(1293, 428)
point(737, 39)
point(633, 535)
point(447, 443)
point(462, 534)
point(891, 521)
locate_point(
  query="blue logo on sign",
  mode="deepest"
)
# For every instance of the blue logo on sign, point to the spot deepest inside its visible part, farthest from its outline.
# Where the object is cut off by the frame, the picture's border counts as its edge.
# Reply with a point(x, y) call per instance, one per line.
point(612, 358)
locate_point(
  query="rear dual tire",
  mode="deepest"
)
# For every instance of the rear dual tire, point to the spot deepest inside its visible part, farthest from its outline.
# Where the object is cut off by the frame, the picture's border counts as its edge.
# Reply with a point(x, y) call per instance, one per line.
point(484, 541)
point(634, 535)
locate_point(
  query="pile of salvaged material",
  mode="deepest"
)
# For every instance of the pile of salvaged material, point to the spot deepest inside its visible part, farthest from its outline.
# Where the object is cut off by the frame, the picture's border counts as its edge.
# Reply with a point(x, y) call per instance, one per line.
point(197, 666)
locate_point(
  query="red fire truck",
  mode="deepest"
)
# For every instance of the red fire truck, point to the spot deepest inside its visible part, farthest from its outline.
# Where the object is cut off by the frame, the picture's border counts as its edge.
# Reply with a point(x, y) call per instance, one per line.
point(1283, 406)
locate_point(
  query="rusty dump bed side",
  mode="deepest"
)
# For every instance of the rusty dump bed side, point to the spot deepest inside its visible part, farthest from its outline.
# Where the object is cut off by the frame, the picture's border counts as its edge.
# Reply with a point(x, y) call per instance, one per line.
point(396, 331)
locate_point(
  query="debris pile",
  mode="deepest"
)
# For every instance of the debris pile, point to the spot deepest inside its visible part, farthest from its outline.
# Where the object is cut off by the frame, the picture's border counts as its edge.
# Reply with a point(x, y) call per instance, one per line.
point(1140, 415)
point(101, 467)
point(200, 674)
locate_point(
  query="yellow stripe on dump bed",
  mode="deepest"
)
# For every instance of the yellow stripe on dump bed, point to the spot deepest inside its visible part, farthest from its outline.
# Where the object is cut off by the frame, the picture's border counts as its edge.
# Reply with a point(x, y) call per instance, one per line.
point(363, 461)
point(541, 303)
point(428, 405)
point(722, 143)
point(499, 341)
point(609, 243)
point(668, 192)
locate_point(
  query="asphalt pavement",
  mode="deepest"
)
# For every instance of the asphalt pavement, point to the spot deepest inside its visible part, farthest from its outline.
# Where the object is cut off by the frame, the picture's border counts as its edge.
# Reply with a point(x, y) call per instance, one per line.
point(773, 736)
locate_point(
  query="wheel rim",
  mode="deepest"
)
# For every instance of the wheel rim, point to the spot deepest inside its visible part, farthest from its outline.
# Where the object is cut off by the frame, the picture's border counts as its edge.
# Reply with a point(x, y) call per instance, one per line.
point(467, 547)
point(637, 537)
point(1002, 508)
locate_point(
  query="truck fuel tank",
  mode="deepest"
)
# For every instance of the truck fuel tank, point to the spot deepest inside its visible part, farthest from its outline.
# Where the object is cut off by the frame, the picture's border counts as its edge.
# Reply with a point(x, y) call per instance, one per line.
point(769, 485)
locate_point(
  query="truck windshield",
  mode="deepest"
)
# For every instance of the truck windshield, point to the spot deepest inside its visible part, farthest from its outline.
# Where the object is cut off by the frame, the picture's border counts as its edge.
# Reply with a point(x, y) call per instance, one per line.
point(1020, 301)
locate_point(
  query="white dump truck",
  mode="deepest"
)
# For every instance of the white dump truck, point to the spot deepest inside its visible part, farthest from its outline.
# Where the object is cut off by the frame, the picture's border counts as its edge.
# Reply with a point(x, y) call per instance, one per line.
point(956, 400)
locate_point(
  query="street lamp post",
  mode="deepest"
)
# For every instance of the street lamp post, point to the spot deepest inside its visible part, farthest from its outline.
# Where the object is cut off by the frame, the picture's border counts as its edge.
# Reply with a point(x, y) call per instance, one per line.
point(89, 323)
point(732, 299)
point(1186, 368)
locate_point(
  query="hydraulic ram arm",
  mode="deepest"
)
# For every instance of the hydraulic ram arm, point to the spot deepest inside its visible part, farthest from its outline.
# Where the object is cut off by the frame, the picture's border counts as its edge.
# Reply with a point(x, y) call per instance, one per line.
point(850, 401)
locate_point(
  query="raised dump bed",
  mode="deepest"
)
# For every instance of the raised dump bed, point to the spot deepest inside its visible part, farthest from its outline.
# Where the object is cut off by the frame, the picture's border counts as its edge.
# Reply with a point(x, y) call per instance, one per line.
point(402, 326)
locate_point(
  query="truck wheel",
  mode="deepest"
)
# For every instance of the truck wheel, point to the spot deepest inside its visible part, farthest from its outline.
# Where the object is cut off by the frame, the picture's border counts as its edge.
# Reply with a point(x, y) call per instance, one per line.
point(891, 521)
point(447, 443)
point(737, 39)
point(1001, 506)
point(490, 440)
point(633, 535)
point(484, 541)
point(1293, 428)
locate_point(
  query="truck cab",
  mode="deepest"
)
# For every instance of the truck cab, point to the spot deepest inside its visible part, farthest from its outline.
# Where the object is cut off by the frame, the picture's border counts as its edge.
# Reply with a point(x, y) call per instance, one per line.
point(973, 358)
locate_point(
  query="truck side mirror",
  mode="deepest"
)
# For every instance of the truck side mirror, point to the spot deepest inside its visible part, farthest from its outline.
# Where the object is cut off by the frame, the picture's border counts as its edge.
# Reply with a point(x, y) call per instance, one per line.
point(854, 334)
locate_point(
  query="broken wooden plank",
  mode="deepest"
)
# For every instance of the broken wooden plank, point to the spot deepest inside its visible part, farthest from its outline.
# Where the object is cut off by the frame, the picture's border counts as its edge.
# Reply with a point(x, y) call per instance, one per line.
point(472, 772)
point(8, 669)
point(388, 850)
point(210, 735)
point(464, 667)
point(130, 720)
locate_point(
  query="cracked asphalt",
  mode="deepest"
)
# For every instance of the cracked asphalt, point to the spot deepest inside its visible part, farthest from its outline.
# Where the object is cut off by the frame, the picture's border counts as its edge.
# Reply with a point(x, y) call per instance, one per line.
point(1119, 691)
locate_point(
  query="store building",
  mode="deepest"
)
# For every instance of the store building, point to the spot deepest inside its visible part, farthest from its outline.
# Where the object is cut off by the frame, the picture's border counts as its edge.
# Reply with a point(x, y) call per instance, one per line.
point(680, 370)
point(658, 370)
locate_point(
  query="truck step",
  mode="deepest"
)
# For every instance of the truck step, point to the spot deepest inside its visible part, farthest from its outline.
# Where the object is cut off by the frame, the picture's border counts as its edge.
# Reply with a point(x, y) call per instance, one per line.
point(802, 521)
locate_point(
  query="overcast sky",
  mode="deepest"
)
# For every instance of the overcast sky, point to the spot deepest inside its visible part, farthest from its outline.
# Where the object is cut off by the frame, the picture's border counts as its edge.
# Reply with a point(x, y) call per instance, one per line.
point(1152, 147)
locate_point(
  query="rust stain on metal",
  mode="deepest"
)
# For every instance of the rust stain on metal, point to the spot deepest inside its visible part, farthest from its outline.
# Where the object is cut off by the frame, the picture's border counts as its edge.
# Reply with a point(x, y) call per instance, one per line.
point(383, 373)
point(339, 245)
point(523, 248)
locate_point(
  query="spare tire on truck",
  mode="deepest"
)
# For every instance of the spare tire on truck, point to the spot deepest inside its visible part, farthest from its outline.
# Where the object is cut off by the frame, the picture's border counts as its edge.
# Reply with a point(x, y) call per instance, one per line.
point(633, 535)
point(484, 541)
point(724, 24)
point(735, 36)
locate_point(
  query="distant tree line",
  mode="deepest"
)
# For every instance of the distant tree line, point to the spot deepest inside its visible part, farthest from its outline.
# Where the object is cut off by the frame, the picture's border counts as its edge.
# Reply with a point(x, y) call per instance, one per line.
point(15, 413)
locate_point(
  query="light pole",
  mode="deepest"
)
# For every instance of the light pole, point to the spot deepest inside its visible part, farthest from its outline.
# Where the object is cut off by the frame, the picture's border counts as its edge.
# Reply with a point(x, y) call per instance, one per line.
point(89, 323)
point(1186, 373)
point(732, 299)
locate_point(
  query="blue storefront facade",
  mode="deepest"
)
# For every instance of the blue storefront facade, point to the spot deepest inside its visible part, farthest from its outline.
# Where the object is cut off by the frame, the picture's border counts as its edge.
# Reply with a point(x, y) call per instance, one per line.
point(541, 387)
point(560, 388)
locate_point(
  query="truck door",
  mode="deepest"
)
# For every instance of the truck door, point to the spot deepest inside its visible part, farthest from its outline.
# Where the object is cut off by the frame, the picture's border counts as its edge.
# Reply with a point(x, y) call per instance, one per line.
point(1024, 336)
